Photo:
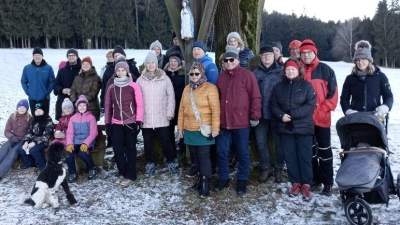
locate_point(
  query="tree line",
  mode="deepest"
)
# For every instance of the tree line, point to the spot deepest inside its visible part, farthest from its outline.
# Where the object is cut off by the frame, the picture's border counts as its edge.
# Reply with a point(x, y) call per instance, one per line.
point(137, 23)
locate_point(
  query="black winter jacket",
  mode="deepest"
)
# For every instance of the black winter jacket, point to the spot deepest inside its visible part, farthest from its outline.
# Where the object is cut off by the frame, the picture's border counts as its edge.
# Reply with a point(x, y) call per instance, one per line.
point(266, 80)
point(363, 93)
point(244, 55)
point(110, 72)
point(65, 78)
point(297, 99)
point(178, 82)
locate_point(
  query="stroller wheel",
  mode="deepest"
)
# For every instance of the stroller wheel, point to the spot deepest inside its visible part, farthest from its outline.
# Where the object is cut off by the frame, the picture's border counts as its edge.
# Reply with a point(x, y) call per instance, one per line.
point(358, 211)
point(398, 185)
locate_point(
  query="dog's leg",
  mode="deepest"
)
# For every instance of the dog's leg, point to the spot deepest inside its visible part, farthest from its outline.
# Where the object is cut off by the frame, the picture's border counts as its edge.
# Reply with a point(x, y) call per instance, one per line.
point(70, 196)
point(53, 199)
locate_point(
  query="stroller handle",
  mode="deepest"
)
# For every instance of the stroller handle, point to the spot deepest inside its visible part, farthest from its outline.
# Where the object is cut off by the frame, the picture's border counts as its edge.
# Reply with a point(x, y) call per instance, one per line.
point(371, 149)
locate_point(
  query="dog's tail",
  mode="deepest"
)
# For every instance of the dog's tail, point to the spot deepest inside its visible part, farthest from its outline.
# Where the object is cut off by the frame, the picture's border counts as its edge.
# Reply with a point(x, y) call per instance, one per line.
point(29, 201)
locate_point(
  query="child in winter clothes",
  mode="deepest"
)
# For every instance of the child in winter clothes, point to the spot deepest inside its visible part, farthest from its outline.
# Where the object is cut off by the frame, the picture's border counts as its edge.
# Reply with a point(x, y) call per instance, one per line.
point(37, 139)
point(81, 135)
point(16, 127)
point(159, 106)
point(61, 128)
point(123, 116)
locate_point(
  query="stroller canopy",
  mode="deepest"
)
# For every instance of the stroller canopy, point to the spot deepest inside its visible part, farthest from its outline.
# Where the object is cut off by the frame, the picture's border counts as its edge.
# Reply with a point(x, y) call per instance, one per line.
point(361, 127)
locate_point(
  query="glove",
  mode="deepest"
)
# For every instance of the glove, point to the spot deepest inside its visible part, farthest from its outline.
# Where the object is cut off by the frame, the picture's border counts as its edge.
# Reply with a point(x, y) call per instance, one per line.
point(83, 147)
point(254, 123)
point(382, 110)
point(14, 139)
point(69, 148)
point(350, 111)
point(108, 130)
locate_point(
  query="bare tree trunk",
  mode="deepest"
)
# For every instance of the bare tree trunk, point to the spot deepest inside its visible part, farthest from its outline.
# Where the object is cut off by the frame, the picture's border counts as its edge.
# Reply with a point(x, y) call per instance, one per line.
point(47, 42)
point(96, 41)
point(137, 25)
point(11, 42)
point(29, 42)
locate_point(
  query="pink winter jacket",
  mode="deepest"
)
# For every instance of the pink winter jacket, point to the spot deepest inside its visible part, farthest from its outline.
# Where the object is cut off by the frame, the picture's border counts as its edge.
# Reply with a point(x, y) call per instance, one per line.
point(158, 100)
point(82, 128)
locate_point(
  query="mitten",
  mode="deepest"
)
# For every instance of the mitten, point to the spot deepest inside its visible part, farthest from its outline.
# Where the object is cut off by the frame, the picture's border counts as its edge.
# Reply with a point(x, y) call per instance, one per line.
point(254, 123)
point(69, 148)
point(382, 110)
point(350, 111)
point(108, 130)
point(14, 139)
point(83, 147)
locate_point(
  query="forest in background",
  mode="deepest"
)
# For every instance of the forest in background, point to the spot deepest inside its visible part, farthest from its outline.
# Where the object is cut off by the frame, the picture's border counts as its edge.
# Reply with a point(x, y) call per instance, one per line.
point(101, 24)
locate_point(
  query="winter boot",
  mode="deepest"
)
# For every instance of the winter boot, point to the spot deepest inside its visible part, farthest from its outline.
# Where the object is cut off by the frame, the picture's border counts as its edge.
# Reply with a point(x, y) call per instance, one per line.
point(150, 170)
point(192, 172)
point(265, 174)
point(220, 185)
point(278, 176)
point(196, 186)
point(327, 190)
point(204, 187)
point(92, 174)
point(305, 191)
point(72, 178)
point(241, 187)
point(173, 169)
point(294, 191)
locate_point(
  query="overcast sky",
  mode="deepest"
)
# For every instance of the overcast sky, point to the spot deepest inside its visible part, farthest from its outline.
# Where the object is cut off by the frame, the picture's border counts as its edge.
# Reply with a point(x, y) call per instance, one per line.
point(325, 10)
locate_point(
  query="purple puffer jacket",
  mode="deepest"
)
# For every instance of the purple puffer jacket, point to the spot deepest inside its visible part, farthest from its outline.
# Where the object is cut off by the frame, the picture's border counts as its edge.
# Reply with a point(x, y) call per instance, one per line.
point(82, 129)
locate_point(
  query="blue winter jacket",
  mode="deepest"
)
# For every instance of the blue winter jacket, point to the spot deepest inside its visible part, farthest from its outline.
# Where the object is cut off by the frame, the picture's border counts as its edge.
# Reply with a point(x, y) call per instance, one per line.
point(38, 81)
point(211, 69)
point(266, 80)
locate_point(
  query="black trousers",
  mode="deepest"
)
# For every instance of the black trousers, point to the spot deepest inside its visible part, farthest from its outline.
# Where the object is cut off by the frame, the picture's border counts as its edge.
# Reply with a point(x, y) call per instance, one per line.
point(202, 158)
point(123, 137)
point(148, 139)
point(322, 160)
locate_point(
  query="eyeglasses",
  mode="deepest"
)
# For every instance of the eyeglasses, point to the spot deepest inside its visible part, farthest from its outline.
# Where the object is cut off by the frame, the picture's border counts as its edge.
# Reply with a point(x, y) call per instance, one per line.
point(230, 60)
point(197, 74)
point(267, 56)
point(306, 52)
point(70, 56)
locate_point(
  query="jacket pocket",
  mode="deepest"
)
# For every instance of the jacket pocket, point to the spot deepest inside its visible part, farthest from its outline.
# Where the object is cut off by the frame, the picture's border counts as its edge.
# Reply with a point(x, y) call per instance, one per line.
point(240, 116)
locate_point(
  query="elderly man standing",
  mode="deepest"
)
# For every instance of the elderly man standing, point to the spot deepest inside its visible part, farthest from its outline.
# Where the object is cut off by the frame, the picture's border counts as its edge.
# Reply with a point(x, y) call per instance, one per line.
point(323, 79)
point(240, 101)
point(38, 81)
point(268, 74)
point(65, 78)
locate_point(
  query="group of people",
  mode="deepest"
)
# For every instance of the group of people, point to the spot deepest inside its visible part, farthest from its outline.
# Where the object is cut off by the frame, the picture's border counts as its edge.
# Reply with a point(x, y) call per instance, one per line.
point(214, 113)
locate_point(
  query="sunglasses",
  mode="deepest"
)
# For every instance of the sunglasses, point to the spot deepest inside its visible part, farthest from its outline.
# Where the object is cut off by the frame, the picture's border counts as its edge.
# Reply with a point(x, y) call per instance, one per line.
point(197, 74)
point(230, 60)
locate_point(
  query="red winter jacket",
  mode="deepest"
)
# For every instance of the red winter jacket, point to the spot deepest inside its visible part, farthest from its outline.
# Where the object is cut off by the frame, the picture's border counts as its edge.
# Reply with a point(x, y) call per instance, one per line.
point(323, 79)
point(240, 98)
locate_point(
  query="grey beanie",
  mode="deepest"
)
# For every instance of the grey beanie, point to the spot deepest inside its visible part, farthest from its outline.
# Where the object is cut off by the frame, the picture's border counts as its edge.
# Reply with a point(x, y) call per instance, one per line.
point(233, 35)
point(277, 44)
point(363, 51)
point(231, 52)
point(151, 56)
point(176, 58)
point(73, 51)
point(67, 103)
point(156, 44)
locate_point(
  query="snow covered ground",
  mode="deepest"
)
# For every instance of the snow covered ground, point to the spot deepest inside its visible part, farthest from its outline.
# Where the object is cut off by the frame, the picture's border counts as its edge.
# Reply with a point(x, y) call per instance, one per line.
point(162, 200)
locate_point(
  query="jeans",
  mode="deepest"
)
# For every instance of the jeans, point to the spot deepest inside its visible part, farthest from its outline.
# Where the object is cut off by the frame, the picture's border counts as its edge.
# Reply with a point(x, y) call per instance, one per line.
point(35, 156)
point(203, 162)
point(148, 139)
point(8, 154)
point(223, 141)
point(85, 156)
point(298, 154)
point(124, 146)
point(261, 131)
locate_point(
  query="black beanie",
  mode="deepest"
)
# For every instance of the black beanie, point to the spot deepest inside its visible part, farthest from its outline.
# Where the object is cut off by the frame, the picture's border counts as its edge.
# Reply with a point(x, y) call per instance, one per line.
point(118, 49)
point(37, 50)
point(266, 48)
point(73, 51)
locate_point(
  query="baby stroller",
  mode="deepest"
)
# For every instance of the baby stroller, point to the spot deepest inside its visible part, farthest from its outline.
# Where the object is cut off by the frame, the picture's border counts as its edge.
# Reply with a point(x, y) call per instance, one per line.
point(364, 175)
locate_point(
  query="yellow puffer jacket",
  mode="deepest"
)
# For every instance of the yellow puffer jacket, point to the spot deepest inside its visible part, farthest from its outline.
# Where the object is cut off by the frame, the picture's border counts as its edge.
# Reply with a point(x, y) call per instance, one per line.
point(207, 102)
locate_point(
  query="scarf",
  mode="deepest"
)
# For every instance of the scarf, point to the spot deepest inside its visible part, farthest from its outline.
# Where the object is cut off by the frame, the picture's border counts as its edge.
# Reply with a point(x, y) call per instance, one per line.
point(122, 81)
point(360, 73)
point(151, 76)
point(197, 84)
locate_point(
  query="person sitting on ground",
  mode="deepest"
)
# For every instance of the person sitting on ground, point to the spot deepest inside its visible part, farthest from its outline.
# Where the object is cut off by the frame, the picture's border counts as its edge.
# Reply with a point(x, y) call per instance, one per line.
point(81, 135)
point(37, 138)
point(16, 127)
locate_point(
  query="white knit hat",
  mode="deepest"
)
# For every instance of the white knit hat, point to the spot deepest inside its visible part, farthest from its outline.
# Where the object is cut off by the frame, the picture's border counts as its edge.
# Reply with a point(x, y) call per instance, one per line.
point(156, 44)
point(233, 35)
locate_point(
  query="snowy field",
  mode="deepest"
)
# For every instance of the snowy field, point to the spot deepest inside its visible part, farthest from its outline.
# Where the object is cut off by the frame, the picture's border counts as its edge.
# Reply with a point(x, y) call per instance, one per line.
point(162, 200)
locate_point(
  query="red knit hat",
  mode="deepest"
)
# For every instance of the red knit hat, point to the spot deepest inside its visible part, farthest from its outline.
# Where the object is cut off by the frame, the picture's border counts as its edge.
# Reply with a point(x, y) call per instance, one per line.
point(88, 60)
point(292, 63)
point(308, 44)
point(294, 44)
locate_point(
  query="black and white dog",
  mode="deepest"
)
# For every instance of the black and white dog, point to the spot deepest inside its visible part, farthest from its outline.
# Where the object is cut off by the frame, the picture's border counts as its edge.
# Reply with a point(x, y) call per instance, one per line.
point(44, 191)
